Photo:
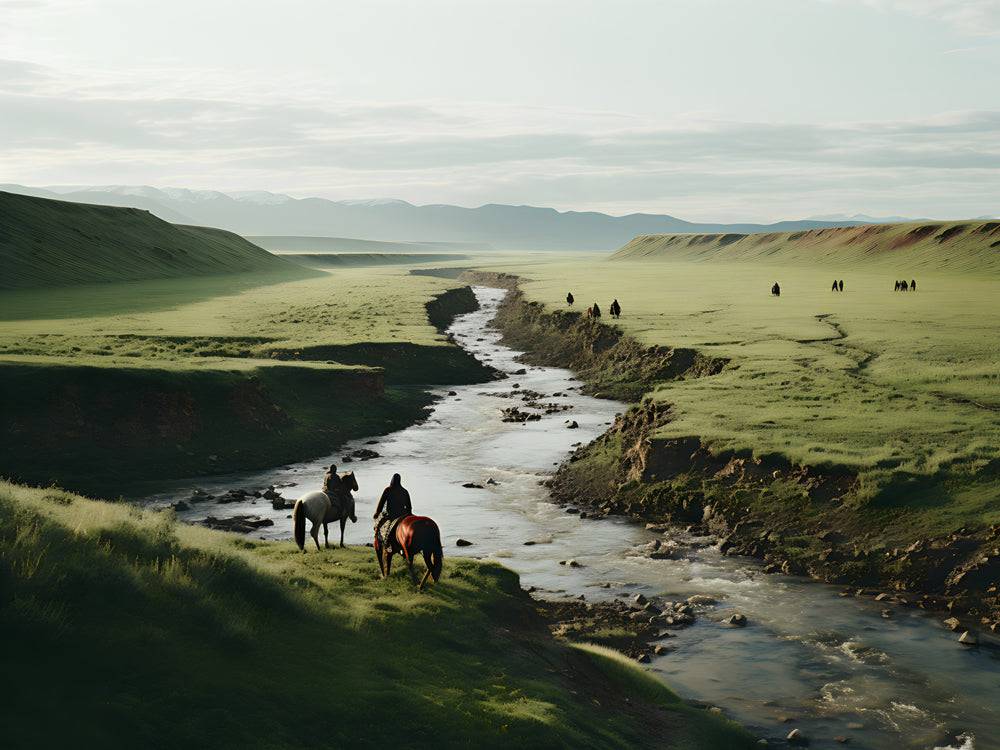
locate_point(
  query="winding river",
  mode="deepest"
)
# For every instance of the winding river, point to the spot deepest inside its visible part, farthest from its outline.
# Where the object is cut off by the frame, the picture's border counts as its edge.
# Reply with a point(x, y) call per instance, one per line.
point(808, 659)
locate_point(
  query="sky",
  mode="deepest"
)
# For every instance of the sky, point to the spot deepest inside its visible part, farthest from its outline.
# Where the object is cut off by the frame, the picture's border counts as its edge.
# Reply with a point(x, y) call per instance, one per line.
point(710, 110)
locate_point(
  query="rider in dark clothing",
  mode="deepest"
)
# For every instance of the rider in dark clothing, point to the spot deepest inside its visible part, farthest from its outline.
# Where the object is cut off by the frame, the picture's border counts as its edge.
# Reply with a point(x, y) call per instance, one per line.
point(394, 503)
point(331, 481)
point(569, 298)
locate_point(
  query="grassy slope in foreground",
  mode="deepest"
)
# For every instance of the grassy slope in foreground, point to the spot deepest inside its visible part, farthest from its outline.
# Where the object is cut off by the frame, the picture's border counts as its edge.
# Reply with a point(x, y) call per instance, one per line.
point(54, 243)
point(957, 246)
point(146, 633)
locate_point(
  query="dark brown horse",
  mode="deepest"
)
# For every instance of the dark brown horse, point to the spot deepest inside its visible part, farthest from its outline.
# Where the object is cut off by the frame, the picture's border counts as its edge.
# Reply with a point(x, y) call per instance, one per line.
point(413, 535)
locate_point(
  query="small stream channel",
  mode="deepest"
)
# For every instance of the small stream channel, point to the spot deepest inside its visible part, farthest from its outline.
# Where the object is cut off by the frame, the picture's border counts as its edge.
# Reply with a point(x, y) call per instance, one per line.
point(808, 659)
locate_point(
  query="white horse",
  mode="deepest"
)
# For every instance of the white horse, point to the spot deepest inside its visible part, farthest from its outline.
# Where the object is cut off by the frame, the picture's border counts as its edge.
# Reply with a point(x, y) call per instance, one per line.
point(321, 508)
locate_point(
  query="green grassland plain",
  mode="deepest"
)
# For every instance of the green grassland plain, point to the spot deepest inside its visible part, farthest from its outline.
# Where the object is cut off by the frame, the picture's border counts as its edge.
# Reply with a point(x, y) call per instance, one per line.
point(108, 384)
point(150, 633)
point(896, 393)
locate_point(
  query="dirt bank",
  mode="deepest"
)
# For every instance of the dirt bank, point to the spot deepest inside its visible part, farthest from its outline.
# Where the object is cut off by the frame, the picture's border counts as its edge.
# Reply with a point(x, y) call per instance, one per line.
point(107, 427)
point(818, 521)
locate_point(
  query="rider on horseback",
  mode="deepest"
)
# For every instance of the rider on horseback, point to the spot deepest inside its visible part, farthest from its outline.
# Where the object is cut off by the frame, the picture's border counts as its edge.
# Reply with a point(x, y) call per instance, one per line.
point(394, 504)
point(331, 481)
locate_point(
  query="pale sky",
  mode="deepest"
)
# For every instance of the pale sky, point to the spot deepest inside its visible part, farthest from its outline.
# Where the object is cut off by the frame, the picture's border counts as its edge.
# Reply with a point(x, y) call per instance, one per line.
point(714, 110)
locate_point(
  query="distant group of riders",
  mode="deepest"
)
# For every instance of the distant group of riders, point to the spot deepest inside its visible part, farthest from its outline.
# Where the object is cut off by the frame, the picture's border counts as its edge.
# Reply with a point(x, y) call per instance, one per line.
point(594, 311)
point(838, 286)
point(396, 529)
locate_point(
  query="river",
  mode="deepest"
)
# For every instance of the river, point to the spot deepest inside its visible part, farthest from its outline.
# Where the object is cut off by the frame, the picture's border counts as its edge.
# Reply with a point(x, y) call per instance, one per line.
point(808, 659)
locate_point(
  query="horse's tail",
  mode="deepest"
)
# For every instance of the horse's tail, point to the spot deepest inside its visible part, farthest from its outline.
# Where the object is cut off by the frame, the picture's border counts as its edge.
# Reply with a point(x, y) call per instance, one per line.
point(299, 522)
point(437, 553)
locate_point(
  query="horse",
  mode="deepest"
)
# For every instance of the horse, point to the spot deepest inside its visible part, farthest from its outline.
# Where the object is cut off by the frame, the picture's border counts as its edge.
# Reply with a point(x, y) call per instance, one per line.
point(412, 535)
point(320, 508)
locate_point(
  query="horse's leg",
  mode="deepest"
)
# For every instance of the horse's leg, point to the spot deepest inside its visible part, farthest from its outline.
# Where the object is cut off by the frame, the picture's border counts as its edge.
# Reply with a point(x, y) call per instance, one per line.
point(409, 566)
point(314, 533)
point(427, 573)
point(386, 560)
point(378, 557)
point(343, 523)
point(326, 535)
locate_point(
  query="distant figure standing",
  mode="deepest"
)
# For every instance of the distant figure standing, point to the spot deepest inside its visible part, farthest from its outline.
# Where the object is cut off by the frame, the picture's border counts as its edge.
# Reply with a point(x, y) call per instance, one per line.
point(834, 287)
point(902, 286)
point(590, 312)
point(776, 290)
point(841, 285)
point(569, 299)
point(597, 310)
point(913, 285)
point(616, 309)
point(896, 288)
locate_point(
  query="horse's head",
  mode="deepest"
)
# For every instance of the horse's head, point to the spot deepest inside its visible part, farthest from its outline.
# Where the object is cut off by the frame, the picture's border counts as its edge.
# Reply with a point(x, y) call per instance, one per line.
point(350, 483)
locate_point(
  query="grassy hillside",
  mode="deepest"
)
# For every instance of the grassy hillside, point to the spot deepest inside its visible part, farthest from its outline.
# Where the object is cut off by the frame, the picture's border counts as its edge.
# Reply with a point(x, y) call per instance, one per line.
point(958, 246)
point(55, 243)
point(359, 260)
point(146, 633)
point(323, 245)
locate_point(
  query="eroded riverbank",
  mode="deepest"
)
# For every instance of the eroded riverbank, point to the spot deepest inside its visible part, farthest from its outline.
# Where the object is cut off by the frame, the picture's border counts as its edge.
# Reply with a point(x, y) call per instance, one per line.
point(807, 658)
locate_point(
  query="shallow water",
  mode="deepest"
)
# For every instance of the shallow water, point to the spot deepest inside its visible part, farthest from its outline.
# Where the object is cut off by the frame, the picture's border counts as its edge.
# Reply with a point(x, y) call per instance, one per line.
point(823, 662)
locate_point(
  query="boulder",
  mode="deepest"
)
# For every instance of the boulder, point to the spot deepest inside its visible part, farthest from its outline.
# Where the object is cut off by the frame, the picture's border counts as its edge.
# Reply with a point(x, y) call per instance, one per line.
point(463, 542)
point(660, 649)
point(797, 738)
point(642, 658)
point(472, 486)
point(701, 599)
point(952, 623)
point(969, 638)
point(738, 619)
point(180, 505)
point(639, 599)
point(571, 425)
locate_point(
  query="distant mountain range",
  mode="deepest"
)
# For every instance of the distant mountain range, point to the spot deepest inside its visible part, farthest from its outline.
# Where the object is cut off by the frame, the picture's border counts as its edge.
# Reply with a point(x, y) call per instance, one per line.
point(502, 226)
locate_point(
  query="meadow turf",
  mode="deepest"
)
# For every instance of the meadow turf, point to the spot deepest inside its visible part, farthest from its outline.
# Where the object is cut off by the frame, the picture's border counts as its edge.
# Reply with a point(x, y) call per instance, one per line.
point(149, 633)
point(108, 384)
point(886, 385)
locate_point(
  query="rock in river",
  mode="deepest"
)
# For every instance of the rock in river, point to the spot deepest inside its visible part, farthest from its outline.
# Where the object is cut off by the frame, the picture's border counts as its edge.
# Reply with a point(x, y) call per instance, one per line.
point(969, 638)
point(738, 619)
point(463, 542)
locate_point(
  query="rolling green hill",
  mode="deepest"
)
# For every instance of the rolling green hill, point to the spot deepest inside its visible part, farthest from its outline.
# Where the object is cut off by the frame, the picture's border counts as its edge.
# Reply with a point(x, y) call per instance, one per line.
point(55, 243)
point(358, 260)
point(958, 246)
point(169, 635)
point(296, 244)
